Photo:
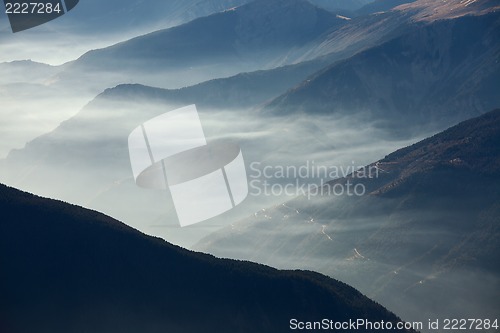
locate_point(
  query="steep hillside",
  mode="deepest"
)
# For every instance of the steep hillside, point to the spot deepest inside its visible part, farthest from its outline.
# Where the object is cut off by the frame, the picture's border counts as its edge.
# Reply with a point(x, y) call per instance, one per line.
point(433, 76)
point(66, 269)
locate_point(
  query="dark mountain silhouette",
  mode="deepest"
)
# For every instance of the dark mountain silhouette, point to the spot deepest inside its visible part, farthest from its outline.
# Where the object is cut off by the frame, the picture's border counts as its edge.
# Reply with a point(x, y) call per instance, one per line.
point(68, 269)
point(437, 75)
point(424, 239)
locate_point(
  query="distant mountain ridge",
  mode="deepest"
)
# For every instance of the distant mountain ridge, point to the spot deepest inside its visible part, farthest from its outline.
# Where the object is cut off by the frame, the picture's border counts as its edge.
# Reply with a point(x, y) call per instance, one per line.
point(258, 35)
point(67, 269)
point(439, 74)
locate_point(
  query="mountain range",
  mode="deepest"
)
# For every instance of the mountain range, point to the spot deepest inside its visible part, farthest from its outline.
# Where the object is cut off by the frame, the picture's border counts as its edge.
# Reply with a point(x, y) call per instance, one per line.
point(437, 74)
point(294, 83)
point(257, 35)
point(223, 44)
point(324, 38)
point(63, 90)
point(405, 74)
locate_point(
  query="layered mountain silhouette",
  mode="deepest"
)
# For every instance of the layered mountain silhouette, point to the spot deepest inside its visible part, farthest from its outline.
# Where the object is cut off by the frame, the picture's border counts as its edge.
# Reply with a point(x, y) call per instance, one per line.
point(100, 167)
point(68, 269)
point(424, 238)
point(235, 39)
point(403, 74)
point(258, 35)
point(225, 44)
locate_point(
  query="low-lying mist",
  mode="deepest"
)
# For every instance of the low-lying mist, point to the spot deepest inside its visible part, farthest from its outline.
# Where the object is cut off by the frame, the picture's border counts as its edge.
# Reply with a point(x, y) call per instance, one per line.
point(85, 161)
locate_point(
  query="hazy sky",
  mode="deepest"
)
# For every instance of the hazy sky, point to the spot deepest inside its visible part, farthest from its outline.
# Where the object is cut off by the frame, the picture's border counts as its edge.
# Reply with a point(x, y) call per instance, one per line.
point(50, 43)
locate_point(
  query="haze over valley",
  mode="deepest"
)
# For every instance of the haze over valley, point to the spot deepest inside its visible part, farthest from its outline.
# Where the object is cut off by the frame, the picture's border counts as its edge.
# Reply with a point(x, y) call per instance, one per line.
point(369, 131)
